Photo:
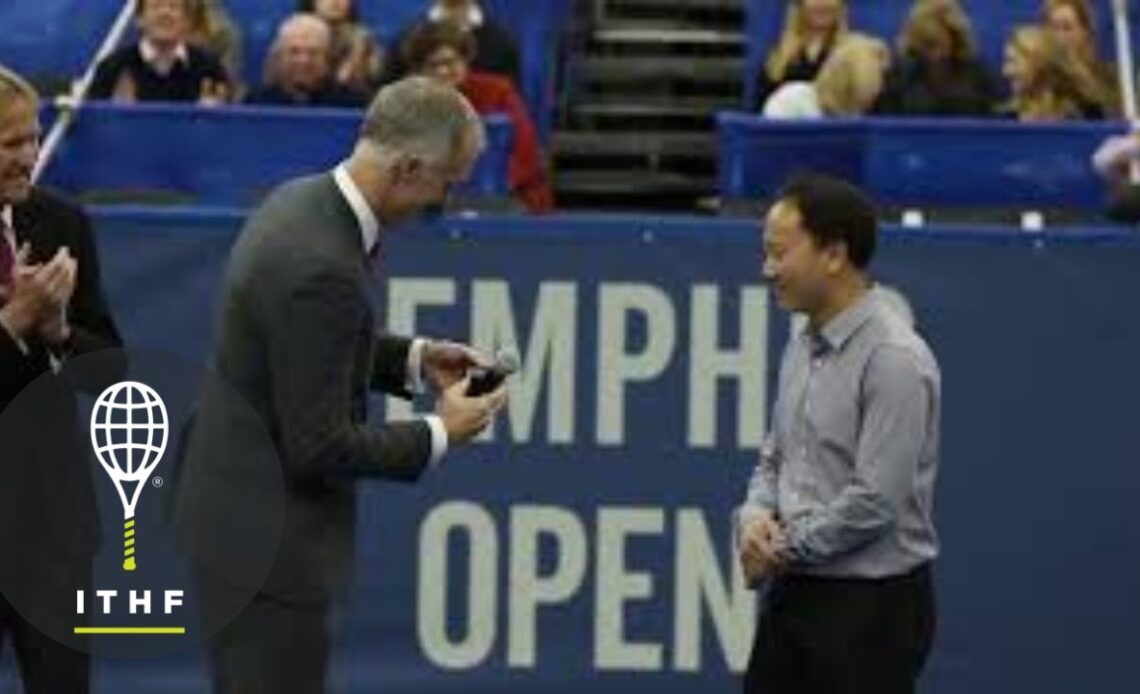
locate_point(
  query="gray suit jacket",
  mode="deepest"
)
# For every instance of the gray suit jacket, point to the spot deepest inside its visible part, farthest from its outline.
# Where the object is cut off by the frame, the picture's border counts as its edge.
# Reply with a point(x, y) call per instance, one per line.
point(296, 353)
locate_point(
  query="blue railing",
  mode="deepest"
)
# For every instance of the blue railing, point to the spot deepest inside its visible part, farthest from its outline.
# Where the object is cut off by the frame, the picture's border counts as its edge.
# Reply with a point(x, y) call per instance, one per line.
point(227, 156)
point(924, 163)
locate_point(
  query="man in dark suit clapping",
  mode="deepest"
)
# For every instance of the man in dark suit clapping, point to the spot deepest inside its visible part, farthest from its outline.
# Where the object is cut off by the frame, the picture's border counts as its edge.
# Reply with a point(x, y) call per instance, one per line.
point(51, 310)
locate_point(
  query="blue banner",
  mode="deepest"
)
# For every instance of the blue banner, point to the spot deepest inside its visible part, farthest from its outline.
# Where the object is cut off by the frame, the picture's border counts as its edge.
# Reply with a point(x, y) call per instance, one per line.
point(587, 544)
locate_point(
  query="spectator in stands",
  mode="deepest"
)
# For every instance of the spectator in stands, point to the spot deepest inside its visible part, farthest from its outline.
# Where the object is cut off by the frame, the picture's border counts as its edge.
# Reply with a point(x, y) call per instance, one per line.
point(847, 86)
point(163, 65)
point(445, 52)
point(357, 56)
point(214, 31)
point(298, 70)
point(1073, 24)
point(1047, 82)
point(939, 72)
point(811, 29)
point(1115, 155)
point(1113, 161)
point(495, 48)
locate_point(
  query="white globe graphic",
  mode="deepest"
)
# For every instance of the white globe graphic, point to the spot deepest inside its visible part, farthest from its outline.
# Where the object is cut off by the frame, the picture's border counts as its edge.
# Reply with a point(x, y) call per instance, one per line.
point(129, 430)
point(129, 427)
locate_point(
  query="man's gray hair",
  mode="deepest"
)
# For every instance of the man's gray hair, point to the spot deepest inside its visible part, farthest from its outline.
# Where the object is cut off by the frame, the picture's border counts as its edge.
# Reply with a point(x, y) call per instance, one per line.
point(419, 116)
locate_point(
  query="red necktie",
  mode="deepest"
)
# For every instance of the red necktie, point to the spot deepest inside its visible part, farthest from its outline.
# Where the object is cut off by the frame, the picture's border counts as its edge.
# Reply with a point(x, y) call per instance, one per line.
point(7, 254)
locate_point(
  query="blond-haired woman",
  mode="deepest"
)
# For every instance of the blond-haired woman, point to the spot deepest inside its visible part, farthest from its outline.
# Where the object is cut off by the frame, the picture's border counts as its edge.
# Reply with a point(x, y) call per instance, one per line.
point(939, 72)
point(811, 29)
point(212, 29)
point(1073, 24)
point(847, 86)
point(1046, 80)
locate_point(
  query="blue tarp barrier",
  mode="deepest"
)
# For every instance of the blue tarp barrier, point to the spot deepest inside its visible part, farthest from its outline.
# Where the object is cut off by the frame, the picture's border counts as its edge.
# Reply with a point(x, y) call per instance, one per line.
point(228, 156)
point(649, 348)
point(932, 163)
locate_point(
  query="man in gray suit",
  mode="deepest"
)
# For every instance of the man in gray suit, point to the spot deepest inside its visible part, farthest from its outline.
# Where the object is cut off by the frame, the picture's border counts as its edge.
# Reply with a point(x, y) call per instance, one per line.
point(296, 355)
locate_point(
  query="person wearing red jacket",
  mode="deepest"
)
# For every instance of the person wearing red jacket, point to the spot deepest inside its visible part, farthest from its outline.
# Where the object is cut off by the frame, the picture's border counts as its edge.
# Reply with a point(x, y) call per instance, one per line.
point(444, 51)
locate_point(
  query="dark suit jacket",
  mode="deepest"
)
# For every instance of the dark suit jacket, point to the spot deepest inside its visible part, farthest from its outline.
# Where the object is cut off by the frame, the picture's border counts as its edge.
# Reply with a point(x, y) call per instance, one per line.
point(297, 345)
point(55, 477)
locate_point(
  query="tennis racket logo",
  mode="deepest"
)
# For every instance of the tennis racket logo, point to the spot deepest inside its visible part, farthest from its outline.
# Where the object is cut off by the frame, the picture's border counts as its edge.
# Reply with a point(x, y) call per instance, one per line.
point(129, 431)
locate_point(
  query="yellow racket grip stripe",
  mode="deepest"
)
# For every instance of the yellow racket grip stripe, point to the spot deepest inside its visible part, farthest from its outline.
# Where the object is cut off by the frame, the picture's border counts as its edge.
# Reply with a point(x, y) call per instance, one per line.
point(129, 546)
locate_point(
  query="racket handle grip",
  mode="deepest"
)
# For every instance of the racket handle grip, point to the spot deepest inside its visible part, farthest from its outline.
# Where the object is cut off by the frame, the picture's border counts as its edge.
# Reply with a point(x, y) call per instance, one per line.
point(129, 545)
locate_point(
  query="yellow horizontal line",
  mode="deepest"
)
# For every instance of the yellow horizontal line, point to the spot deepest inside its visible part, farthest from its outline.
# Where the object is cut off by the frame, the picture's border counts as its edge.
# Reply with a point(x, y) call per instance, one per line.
point(137, 631)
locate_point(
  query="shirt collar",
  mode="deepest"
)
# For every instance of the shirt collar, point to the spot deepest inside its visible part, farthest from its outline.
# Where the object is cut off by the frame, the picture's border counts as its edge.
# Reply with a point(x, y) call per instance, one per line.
point(150, 54)
point(840, 329)
point(365, 217)
point(6, 215)
point(475, 15)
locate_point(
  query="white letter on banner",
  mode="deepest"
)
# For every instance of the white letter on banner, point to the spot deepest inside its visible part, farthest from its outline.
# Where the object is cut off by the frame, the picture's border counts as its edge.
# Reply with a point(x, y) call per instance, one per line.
point(708, 363)
point(616, 365)
point(550, 351)
point(174, 599)
point(405, 296)
point(139, 600)
point(616, 586)
point(483, 555)
point(699, 581)
point(528, 590)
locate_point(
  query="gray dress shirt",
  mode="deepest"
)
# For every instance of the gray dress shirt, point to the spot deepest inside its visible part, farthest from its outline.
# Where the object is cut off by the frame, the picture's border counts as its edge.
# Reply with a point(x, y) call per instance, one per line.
point(850, 462)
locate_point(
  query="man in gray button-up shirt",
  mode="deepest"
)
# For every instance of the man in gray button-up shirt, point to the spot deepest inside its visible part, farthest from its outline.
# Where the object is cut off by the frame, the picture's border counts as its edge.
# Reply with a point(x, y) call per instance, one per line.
point(839, 516)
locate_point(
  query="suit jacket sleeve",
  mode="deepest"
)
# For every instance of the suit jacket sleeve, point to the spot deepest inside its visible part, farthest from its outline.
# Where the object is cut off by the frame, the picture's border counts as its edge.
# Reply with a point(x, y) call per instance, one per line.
point(390, 366)
point(315, 336)
point(16, 368)
point(93, 326)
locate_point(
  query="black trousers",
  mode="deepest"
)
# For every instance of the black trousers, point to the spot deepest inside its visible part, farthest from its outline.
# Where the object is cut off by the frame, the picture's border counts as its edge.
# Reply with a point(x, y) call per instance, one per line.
point(843, 636)
point(46, 665)
point(269, 647)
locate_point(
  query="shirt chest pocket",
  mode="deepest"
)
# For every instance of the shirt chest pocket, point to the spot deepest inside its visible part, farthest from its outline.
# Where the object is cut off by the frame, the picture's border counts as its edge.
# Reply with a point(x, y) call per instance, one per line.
point(832, 415)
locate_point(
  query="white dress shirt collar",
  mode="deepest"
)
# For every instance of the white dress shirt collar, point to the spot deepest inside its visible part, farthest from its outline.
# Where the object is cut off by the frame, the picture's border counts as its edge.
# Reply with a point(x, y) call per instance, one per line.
point(365, 217)
point(150, 53)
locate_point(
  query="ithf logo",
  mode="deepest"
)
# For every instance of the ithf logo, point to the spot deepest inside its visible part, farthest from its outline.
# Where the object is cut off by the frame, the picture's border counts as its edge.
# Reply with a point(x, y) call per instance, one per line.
point(129, 429)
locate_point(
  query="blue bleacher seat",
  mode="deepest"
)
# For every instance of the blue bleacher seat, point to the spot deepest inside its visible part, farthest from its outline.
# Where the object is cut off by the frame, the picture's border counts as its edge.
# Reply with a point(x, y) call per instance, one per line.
point(227, 156)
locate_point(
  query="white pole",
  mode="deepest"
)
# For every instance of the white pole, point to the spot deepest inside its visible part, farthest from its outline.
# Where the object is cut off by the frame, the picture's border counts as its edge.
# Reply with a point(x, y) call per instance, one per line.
point(1127, 70)
point(69, 105)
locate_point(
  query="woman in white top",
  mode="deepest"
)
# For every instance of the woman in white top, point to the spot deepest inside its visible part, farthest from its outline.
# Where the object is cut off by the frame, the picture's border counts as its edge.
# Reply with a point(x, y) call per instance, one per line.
point(847, 85)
